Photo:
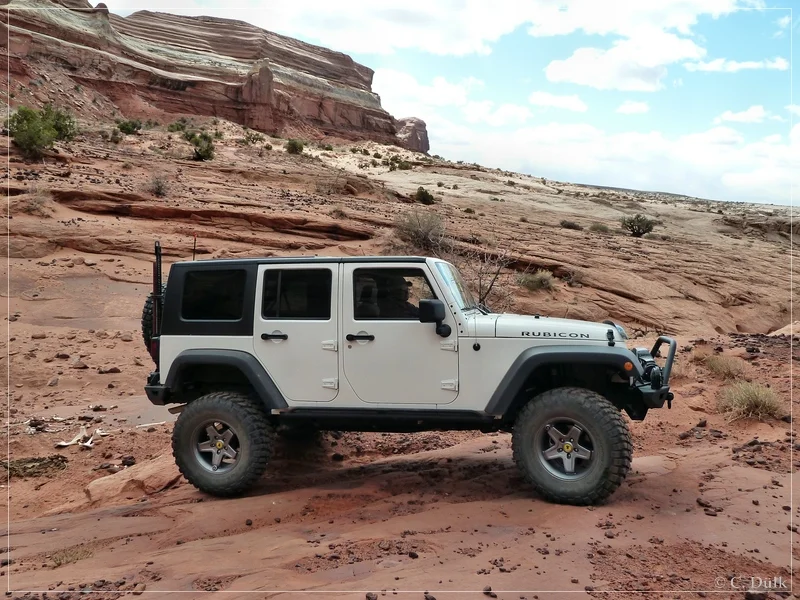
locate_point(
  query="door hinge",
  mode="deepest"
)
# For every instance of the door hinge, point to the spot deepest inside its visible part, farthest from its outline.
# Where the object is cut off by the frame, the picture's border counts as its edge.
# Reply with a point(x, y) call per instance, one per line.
point(450, 384)
point(330, 345)
point(331, 383)
point(451, 345)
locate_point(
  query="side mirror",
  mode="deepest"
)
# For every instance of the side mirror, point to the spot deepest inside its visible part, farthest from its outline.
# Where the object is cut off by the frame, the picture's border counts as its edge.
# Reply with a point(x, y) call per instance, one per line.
point(432, 311)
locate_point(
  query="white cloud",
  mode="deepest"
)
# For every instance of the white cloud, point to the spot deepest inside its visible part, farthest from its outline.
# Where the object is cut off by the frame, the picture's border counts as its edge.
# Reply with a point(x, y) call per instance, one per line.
point(783, 24)
point(754, 114)
point(546, 99)
point(794, 109)
point(451, 27)
point(505, 114)
point(636, 64)
point(717, 163)
point(403, 96)
point(631, 107)
point(722, 65)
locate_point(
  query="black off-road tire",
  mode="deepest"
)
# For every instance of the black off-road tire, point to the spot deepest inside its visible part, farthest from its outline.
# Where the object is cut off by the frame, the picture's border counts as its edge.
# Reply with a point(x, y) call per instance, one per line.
point(613, 448)
point(147, 317)
point(255, 434)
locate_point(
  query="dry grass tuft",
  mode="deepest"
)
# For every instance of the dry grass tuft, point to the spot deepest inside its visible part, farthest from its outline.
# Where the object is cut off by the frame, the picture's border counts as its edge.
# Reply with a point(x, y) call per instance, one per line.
point(71, 555)
point(540, 280)
point(749, 400)
point(729, 368)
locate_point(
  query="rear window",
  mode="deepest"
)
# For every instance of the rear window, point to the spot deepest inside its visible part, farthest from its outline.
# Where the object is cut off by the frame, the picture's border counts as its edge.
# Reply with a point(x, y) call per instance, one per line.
point(213, 295)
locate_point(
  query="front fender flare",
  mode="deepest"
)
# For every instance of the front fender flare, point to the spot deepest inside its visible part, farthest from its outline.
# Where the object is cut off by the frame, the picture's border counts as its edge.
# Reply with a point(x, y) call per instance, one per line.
point(533, 358)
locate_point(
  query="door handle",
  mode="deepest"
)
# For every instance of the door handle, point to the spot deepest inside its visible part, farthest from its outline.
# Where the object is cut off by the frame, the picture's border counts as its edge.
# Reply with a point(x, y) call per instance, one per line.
point(351, 337)
point(274, 336)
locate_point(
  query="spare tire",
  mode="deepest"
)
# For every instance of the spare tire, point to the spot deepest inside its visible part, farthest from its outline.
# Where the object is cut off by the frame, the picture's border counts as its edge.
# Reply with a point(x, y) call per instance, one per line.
point(147, 317)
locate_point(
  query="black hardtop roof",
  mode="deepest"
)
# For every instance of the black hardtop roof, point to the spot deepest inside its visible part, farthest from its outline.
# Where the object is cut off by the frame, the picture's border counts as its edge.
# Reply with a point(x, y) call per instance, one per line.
point(242, 262)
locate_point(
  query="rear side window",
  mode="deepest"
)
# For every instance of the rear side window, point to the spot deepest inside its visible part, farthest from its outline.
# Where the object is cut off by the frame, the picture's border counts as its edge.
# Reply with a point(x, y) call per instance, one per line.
point(213, 295)
point(297, 294)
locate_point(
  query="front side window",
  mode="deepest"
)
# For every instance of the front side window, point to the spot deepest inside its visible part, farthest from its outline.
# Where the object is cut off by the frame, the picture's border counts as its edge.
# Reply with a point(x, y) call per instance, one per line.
point(389, 293)
point(297, 294)
point(213, 295)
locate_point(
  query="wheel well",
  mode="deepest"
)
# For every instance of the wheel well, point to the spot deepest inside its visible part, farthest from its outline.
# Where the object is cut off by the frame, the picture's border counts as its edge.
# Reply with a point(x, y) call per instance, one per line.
point(196, 380)
point(606, 380)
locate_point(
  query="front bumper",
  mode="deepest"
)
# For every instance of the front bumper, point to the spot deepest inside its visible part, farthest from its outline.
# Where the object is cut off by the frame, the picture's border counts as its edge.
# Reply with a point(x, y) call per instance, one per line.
point(156, 393)
point(656, 391)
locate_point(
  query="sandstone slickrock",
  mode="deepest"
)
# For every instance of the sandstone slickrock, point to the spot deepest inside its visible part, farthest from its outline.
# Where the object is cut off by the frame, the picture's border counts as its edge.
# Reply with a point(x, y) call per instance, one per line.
point(149, 62)
point(413, 134)
point(145, 478)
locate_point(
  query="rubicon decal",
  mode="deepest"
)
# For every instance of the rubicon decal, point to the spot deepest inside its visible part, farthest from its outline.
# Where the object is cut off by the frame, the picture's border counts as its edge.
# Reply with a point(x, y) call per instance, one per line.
point(555, 334)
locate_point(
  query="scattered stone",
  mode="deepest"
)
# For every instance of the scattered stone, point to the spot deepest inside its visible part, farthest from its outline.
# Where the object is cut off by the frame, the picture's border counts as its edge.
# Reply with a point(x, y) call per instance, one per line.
point(53, 382)
point(702, 423)
point(703, 503)
point(128, 461)
point(39, 335)
point(337, 457)
point(413, 554)
point(79, 364)
point(126, 337)
point(487, 591)
point(107, 370)
point(372, 596)
point(574, 580)
point(684, 435)
point(786, 418)
point(710, 512)
point(755, 502)
point(62, 355)
point(139, 589)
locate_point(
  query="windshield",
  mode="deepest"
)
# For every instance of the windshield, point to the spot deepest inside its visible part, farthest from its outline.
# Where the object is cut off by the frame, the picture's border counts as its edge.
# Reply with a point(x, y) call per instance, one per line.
point(461, 293)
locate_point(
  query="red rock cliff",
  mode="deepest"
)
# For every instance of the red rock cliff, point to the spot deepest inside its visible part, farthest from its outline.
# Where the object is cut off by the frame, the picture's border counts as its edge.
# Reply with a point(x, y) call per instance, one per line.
point(201, 65)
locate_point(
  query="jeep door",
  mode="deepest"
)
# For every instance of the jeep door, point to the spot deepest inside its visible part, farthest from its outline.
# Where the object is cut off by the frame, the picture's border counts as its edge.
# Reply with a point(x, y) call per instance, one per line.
point(390, 357)
point(295, 329)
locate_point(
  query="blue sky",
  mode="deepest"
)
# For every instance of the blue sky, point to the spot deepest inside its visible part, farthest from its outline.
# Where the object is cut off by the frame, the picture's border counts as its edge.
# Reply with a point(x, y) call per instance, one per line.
point(686, 96)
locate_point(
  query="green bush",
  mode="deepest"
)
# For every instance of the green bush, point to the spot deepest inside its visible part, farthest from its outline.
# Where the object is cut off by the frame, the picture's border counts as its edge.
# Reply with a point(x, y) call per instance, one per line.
point(353, 150)
point(423, 196)
point(327, 148)
point(638, 225)
point(294, 146)
point(252, 137)
point(129, 127)
point(404, 165)
point(365, 152)
point(159, 186)
point(179, 125)
point(599, 228)
point(35, 131)
point(203, 146)
point(440, 184)
point(469, 211)
point(377, 155)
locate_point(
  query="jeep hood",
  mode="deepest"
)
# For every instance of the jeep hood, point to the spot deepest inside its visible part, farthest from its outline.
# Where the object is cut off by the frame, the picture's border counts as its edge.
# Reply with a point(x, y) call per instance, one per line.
point(542, 328)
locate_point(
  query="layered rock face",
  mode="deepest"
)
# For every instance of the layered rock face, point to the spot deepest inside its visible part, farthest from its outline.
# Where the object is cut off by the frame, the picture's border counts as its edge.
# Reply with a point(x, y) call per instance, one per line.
point(205, 66)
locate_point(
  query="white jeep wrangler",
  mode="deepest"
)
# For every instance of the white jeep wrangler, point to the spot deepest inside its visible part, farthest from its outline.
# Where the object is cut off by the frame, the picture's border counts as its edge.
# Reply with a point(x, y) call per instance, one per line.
point(395, 344)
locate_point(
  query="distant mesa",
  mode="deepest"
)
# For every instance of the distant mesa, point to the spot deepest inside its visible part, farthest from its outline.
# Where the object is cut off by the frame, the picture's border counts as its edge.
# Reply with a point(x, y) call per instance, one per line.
point(152, 63)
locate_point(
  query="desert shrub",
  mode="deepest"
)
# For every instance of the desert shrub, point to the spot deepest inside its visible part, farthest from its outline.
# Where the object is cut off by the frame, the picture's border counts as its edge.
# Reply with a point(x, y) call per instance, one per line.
point(423, 196)
point(127, 166)
point(440, 184)
point(726, 367)
point(338, 213)
point(218, 135)
point(377, 155)
point(203, 146)
point(392, 167)
point(404, 165)
point(365, 152)
point(179, 125)
point(374, 162)
point(63, 122)
point(523, 219)
point(37, 203)
point(293, 146)
point(571, 225)
point(638, 225)
point(115, 136)
point(574, 277)
point(599, 228)
point(328, 148)
point(353, 150)
point(455, 186)
point(35, 131)
point(540, 280)
point(423, 230)
point(469, 211)
point(159, 186)
point(252, 137)
point(129, 127)
point(749, 400)
point(511, 183)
